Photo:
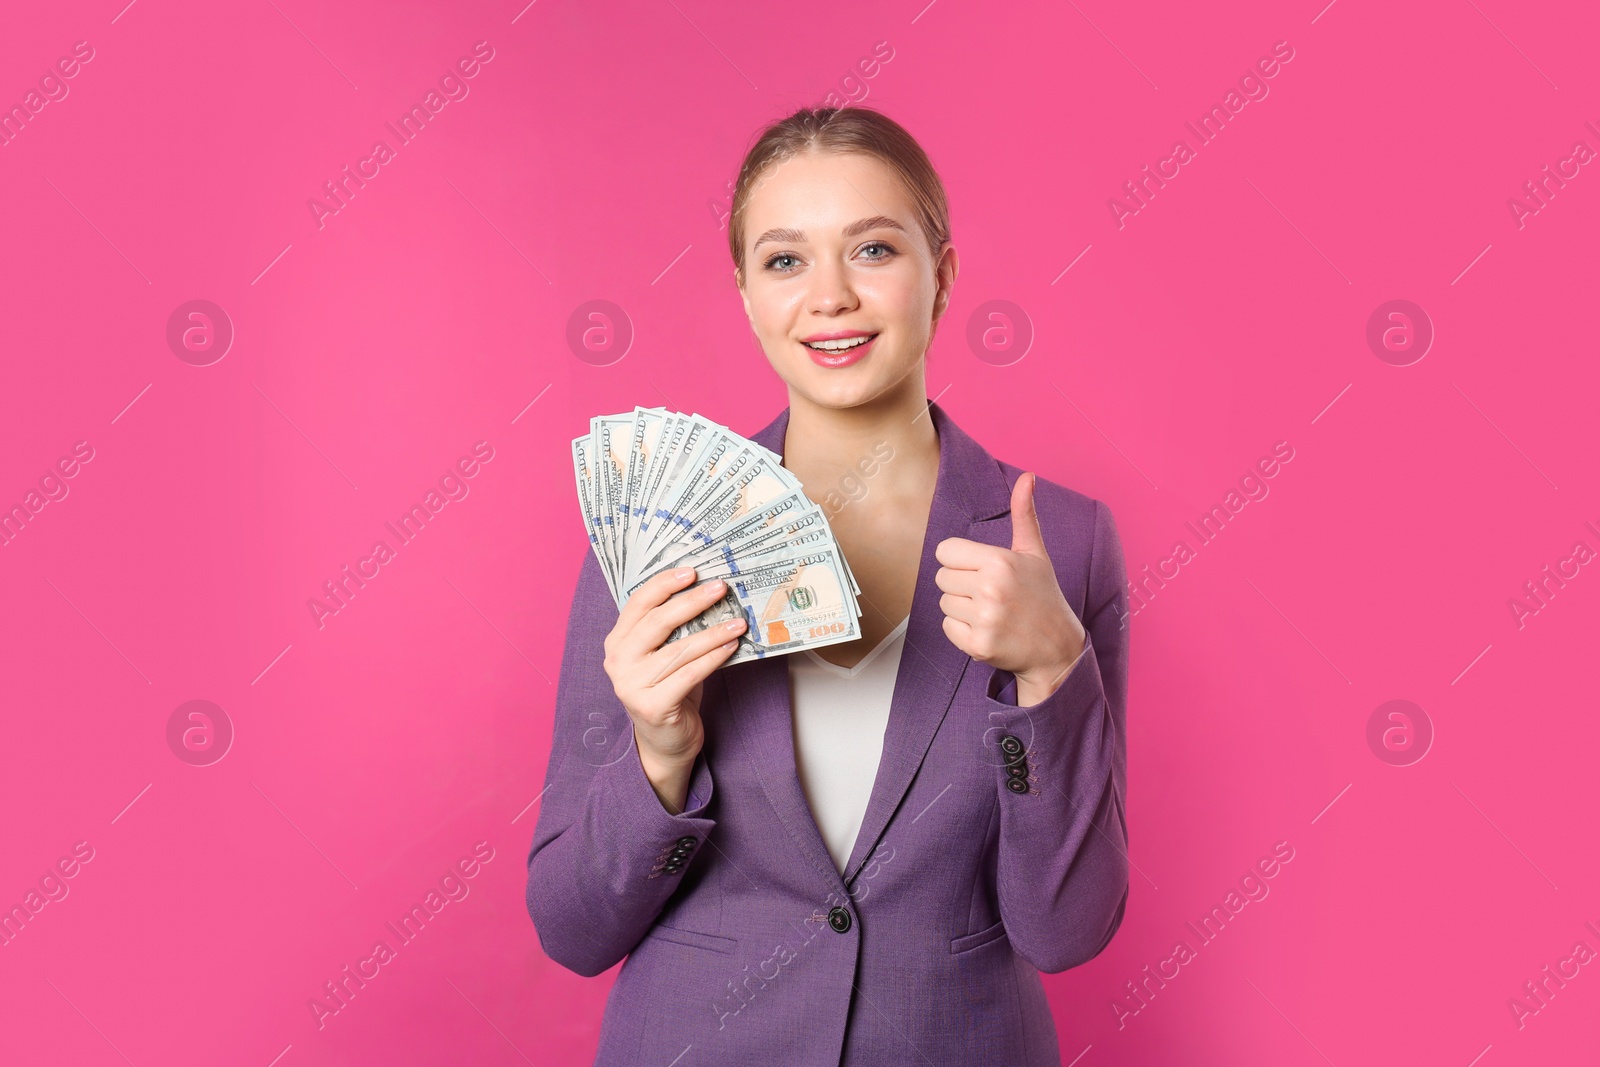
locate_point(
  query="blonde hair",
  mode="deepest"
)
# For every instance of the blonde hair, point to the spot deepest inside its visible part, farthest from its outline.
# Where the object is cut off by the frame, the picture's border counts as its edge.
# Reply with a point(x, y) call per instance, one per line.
point(844, 129)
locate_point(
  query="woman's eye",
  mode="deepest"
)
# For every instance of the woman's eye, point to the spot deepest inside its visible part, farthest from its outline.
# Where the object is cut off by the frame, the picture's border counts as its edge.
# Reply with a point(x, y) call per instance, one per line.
point(779, 262)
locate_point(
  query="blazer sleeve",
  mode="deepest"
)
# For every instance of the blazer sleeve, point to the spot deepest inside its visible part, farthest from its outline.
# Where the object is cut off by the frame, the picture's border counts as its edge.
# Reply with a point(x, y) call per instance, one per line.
point(1063, 850)
point(606, 854)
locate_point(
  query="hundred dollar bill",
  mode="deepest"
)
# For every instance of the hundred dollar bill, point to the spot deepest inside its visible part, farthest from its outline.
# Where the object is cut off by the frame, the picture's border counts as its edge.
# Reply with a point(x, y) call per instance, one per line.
point(703, 483)
point(686, 482)
point(644, 437)
point(776, 558)
point(688, 437)
point(661, 490)
point(792, 520)
point(591, 515)
point(789, 513)
point(796, 604)
point(670, 445)
point(751, 483)
point(611, 436)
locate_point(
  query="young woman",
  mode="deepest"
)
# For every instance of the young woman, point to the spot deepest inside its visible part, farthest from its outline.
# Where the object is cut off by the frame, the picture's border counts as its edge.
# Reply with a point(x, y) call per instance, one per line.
point(864, 853)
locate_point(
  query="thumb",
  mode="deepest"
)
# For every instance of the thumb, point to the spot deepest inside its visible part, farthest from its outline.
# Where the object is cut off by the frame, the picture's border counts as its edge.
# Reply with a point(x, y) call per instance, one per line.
point(1026, 537)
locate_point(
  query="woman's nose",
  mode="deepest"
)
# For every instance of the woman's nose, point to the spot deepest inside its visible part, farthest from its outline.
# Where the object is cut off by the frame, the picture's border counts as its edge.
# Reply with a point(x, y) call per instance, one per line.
point(830, 289)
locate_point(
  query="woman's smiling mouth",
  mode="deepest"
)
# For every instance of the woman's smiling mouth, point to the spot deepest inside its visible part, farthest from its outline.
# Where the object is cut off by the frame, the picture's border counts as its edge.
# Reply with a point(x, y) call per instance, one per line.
point(840, 349)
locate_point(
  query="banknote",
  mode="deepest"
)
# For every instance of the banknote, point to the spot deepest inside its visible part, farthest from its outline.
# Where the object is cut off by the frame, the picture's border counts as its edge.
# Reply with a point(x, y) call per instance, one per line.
point(788, 605)
point(661, 490)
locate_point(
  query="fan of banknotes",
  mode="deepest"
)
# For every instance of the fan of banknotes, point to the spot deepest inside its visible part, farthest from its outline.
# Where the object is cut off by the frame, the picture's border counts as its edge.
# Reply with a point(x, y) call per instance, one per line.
point(662, 490)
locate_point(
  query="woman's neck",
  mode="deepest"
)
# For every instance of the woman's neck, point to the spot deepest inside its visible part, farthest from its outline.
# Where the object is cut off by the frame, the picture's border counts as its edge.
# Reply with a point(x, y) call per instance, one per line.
point(890, 443)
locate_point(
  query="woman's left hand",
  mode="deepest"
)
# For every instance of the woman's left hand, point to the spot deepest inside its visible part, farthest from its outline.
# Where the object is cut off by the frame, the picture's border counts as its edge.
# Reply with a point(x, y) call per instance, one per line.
point(1003, 606)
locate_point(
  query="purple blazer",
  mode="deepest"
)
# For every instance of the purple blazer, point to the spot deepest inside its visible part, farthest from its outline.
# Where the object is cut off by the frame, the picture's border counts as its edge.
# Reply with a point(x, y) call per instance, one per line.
point(994, 844)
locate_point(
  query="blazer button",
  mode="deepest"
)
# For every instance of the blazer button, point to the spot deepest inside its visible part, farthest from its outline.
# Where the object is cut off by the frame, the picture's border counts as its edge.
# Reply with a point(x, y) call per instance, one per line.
point(1017, 770)
point(1016, 785)
point(1010, 745)
point(686, 842)
point(839, 919)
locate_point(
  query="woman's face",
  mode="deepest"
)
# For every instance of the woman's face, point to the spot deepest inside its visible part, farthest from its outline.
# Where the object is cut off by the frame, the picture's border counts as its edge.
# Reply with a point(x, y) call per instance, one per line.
point(833, 253)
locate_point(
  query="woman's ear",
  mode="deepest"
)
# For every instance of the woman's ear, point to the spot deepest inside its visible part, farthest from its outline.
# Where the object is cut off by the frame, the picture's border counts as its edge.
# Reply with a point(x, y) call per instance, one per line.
point(944, 277)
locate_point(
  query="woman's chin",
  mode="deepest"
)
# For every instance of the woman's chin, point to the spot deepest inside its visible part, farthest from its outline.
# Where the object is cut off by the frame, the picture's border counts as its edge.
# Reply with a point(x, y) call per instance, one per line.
point(840, 388)
point(840, 395)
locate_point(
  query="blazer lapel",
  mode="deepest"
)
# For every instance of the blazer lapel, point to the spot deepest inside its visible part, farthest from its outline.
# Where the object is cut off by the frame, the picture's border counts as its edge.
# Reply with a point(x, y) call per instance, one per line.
point(969, 493)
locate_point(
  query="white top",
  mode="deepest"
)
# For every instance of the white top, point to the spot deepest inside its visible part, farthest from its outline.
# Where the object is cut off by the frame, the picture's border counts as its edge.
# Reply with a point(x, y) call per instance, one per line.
point(840, 714)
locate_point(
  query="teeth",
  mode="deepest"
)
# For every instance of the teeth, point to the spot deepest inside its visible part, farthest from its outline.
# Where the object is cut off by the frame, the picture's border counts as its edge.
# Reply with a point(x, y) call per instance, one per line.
point(838, 346)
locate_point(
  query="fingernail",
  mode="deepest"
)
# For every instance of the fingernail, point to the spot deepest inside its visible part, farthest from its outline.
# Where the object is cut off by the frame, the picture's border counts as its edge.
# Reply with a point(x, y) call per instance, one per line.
point(733, 624)
point(682, 573)
point(717, 586)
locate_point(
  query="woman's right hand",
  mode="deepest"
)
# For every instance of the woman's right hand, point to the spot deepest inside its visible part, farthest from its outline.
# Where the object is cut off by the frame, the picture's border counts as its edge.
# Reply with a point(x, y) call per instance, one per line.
point(661, 684)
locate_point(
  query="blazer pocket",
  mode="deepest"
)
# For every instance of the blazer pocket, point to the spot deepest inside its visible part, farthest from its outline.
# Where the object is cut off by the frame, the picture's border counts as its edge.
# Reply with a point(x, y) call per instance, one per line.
point(693, 939)
point(978, 940)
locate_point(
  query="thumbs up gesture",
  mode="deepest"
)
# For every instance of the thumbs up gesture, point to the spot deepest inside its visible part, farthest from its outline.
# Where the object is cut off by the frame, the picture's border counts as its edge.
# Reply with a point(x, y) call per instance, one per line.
point(1003, 606)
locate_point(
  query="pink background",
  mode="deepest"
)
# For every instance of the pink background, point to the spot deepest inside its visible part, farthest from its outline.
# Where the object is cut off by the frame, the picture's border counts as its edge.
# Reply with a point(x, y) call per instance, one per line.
point(589, 161)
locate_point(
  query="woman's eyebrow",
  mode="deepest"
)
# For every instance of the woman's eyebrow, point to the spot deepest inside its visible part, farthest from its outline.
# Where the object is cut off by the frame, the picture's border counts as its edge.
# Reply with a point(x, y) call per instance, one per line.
point(855, 229)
